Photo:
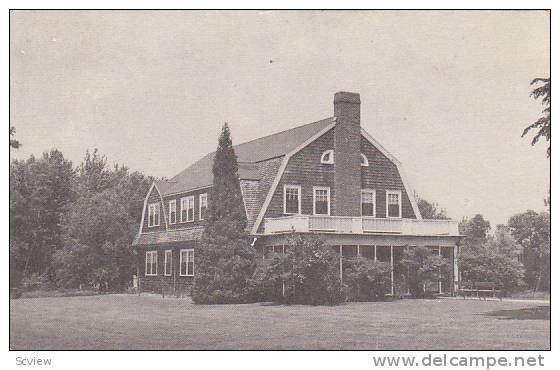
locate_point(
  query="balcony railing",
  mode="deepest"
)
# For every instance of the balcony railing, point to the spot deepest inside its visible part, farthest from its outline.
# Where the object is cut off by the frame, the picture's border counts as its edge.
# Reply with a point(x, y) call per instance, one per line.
point(359, 225)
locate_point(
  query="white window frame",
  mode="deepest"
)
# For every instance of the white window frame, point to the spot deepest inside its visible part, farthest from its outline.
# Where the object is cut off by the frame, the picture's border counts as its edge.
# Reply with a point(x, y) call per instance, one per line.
point(373, 195)
point(173, 207)
point(187, 200)
point(331, 158)
point(169, 253)
point(364, 162)
point(151, 212)
point(399, 193)
point(187, 252)
point(298, 188)
point(315, 188)
point(151, 254)
point(200, 197)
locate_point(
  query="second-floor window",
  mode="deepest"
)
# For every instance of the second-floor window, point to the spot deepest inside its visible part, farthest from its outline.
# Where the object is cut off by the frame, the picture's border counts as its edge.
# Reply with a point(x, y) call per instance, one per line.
point(368, 203)
point(202, 205)
point(292, 199)
point(172, 211)
point(321, 200)
point(153, 214)
point(393, 203)
point(151, 263)
point(187, 209)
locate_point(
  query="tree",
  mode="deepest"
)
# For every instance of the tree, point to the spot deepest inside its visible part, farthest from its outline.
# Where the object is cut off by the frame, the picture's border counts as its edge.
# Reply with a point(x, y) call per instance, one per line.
point(41, 190)
point(225, 261)
point(307, 273)
point(430, 211)
point(543, 123)
point(13, 142)
point(424, 268)
point(100, 225)
point(476, 231)
point(532, 232)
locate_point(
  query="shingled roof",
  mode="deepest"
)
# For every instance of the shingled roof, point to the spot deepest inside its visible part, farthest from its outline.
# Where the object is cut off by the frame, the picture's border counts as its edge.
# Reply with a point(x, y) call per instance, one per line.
point(199, 174)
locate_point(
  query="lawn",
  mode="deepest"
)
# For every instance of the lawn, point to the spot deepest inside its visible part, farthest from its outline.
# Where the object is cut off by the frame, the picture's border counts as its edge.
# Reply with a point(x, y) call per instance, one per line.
point(118, 322)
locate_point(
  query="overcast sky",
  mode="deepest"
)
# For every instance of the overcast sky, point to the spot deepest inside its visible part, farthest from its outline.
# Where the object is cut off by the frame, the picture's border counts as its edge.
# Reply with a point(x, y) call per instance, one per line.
point(446, 92)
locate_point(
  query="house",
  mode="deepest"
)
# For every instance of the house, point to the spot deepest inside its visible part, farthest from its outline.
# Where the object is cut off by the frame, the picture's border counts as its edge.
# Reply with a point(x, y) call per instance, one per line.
point(328, 177)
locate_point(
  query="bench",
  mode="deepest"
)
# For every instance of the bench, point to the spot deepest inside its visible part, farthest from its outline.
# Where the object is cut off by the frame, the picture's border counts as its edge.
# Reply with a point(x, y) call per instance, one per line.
point(481, 290)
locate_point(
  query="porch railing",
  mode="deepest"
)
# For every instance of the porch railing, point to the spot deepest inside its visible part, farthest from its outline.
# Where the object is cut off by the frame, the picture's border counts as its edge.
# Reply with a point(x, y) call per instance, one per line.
point(359, 225)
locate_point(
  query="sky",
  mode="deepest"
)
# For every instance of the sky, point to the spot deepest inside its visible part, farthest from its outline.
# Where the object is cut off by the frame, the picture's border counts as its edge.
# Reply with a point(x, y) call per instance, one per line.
point(446, 92)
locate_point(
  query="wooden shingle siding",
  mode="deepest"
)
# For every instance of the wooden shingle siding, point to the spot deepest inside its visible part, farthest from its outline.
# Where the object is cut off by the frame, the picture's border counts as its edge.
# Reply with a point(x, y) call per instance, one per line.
point(305, 169)
point(197, 222)
point(154, 197)
point(250, 192)
point(382, 175)
point(174, 284)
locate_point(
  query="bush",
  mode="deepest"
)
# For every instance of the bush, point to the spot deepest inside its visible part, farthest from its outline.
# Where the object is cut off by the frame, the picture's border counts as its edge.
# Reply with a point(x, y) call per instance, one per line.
point(366, 279)
point(489, 266)
point(423, 268)
point(306, 274)
point(37, 282)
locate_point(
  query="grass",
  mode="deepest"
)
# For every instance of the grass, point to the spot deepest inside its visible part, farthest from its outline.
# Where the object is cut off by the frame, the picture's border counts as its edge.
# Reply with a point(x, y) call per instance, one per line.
point(118, 322)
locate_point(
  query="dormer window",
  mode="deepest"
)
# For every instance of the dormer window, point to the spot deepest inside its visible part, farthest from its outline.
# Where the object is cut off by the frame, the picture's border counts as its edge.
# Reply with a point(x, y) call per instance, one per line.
point(327, 157)
point(365, 161)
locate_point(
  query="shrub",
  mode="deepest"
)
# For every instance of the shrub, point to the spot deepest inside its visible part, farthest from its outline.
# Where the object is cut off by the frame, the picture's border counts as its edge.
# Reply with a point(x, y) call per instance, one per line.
point(489, 266)
point(306, 274)
point(424, 268)
point(366, 279)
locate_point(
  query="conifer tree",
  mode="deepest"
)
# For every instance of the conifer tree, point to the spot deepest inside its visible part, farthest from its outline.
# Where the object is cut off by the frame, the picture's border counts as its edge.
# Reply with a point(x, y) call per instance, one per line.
point(225, 261)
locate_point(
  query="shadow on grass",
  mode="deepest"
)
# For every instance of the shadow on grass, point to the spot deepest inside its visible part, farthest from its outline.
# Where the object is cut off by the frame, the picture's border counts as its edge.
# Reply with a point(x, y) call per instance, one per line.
point(532, 313)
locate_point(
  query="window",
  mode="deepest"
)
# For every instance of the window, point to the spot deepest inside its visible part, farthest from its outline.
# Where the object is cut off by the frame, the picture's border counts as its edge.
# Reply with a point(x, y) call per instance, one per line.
point(172, 211)
point(186, 262)
point(393, 203)
point(202, 205)
point(327, 157)
point(365, 161)
point(187, 209)
point(151, 263)
point(153, 214)
point(292, 199)
point(168, 263)
point(368, 203)
point(321, 200)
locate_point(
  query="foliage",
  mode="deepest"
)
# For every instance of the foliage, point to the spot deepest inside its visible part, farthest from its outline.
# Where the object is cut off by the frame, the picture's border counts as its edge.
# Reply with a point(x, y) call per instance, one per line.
point(307, 273)
point(366, 279)
point(532, 231)
point(225, 261)
point(41, 190)
point(73, 227)
point(543, 123)
point(424, 268)
point(488, 265)
point(13, 142)
point(476, 231)
point(431, 211)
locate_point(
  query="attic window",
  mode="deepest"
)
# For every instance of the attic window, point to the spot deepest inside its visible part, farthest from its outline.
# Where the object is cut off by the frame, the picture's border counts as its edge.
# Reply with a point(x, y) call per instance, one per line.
point(327, 157)
point(365, 161)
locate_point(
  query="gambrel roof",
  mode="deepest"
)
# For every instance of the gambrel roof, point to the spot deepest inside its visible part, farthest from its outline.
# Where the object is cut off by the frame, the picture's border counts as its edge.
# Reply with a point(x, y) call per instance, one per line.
point(199, 174)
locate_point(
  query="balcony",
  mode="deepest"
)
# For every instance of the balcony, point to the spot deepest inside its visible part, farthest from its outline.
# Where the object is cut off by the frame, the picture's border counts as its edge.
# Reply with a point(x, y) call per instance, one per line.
point(360, 225)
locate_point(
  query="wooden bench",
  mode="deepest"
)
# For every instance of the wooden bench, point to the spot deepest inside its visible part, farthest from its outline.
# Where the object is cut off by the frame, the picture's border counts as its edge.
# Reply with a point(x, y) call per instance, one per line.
point(481, 290)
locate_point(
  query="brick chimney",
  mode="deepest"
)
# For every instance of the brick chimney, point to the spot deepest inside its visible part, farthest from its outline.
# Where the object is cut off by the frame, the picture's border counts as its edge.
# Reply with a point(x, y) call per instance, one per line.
point(347, 147)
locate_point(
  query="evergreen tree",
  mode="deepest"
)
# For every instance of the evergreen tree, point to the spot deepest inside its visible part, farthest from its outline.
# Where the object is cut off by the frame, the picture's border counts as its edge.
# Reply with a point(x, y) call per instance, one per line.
point(225, 261)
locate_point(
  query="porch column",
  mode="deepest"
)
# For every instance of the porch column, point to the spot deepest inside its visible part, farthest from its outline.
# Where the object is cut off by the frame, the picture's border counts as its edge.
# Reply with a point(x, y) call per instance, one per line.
point(455, 270)
point(375, 252)
point(358, 252)
point(439, 278)
point(340, 262)
point(392, 274)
